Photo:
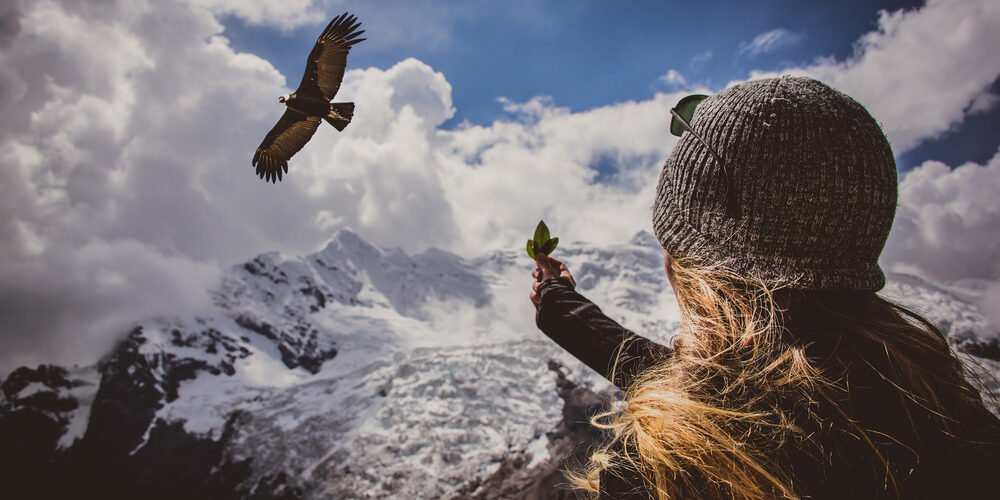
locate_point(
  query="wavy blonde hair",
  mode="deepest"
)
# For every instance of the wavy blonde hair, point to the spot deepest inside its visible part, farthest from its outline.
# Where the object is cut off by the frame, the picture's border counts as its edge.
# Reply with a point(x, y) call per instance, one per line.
point(712, 421)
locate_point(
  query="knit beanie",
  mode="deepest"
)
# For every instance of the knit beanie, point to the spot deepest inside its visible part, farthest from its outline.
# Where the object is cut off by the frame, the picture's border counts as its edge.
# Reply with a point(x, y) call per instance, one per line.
point(814, 179)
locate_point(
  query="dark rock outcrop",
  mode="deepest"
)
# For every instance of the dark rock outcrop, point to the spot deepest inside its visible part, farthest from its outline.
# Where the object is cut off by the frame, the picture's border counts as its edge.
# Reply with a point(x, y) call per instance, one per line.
point(124, 452)
point(32, 419)
point(989, 349)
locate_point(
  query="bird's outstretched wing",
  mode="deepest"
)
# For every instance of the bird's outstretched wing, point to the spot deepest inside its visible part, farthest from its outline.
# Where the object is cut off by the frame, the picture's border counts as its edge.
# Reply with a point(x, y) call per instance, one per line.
point(292, 131)
point(326, 63)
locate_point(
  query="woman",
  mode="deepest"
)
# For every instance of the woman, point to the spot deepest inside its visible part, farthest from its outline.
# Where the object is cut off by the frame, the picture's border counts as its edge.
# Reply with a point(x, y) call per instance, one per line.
point(790, 377)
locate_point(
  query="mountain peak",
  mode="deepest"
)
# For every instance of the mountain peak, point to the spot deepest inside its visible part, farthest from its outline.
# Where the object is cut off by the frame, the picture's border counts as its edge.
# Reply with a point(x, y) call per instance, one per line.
point(346, 240)
point(346, 231)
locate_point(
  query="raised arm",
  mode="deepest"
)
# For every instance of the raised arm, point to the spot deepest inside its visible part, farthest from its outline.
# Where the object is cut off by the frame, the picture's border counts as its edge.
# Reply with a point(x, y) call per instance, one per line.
point(580, 327)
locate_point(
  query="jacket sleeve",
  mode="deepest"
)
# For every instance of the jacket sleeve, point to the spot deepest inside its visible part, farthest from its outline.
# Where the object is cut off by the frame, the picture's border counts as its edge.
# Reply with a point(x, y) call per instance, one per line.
point(579, 326)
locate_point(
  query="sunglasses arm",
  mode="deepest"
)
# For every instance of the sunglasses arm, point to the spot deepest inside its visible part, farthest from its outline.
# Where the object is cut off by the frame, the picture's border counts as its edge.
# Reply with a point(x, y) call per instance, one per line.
point(731, 207)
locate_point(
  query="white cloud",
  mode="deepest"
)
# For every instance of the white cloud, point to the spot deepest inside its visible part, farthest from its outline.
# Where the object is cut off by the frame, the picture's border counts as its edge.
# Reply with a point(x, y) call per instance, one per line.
point(127, 169)
point(673, 78)
point(100, 219)
point(769, 41)
point(983, 103)
point(920, 72)
point(948, 221)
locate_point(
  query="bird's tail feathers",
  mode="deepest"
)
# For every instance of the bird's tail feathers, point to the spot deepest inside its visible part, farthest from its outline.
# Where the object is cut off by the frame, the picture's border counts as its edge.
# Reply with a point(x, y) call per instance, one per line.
point(340, 114)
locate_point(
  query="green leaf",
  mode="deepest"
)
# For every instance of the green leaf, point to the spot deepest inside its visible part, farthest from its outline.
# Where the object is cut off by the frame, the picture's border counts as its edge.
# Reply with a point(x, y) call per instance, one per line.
point(542, 241)
point(551, 245)
point(685, 108)
point(544, 248)
point(542, 233)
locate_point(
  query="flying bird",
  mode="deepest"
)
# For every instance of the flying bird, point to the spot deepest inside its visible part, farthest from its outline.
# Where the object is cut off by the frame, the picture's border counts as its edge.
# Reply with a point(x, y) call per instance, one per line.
point(311, 102)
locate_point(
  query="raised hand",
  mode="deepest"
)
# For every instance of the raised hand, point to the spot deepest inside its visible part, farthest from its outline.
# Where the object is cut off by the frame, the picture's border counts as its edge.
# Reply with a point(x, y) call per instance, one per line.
point(548, 268)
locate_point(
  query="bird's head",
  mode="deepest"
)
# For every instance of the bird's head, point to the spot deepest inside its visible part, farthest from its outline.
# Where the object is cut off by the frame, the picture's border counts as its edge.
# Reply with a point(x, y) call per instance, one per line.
point(285, 98)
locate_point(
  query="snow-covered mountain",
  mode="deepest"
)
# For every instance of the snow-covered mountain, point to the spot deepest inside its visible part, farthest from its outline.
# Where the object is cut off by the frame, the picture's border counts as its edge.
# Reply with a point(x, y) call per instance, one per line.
point(354, 372)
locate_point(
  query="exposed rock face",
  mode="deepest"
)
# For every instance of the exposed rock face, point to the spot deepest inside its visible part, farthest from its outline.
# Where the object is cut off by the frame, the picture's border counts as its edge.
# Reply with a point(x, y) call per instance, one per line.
point(355, 372)
point(988, 349)
point(36, 407)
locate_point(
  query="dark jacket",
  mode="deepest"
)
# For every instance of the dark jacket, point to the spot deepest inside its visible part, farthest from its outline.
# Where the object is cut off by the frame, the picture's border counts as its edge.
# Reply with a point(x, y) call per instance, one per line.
point(944, 467)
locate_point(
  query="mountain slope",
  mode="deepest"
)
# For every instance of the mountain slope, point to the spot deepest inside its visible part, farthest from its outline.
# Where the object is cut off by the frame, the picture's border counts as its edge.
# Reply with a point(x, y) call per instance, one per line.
point(353, 372)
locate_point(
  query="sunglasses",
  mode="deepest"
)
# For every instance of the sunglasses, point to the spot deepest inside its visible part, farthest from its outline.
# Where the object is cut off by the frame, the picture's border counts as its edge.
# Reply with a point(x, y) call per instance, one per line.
point(681, 121)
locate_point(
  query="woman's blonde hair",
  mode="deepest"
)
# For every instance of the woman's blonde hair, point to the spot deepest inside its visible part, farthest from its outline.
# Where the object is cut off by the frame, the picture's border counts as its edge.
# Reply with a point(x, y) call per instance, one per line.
point(759, 370)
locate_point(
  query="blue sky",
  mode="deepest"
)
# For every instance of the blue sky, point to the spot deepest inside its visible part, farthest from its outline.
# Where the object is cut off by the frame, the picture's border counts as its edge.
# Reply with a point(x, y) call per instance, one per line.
point(588, 54)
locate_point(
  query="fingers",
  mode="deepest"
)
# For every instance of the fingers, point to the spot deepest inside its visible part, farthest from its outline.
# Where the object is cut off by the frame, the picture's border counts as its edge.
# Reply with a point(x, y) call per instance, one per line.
point(548, 268)
point(560, 270)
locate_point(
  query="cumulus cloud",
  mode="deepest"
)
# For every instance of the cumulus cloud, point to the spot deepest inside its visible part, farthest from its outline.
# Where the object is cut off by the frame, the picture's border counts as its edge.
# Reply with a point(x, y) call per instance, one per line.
point(921, 70)
point(127, 175)
point(948, 221)
point(80, 140)
point(769, 41)
point(501, 178)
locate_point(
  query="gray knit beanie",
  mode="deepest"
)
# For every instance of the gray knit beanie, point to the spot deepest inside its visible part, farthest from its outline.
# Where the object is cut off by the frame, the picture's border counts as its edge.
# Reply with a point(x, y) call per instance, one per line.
point(814, 179)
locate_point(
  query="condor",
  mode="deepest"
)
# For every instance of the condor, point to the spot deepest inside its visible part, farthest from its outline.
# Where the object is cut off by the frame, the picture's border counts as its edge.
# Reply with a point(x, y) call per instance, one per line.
point(311, 102)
